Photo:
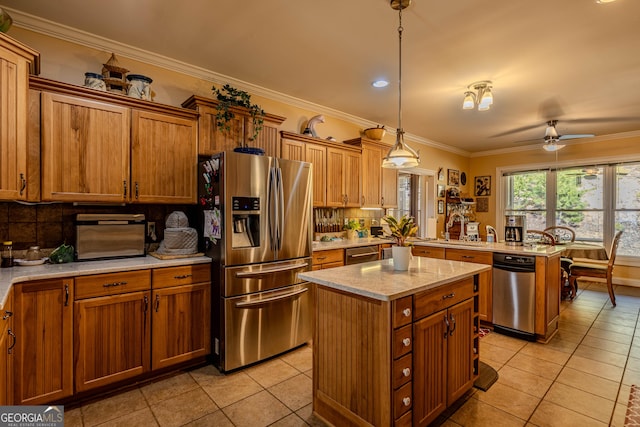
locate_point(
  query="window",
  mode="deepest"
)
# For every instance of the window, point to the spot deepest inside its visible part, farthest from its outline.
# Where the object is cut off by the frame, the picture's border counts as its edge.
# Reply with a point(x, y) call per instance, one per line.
point(595, 201)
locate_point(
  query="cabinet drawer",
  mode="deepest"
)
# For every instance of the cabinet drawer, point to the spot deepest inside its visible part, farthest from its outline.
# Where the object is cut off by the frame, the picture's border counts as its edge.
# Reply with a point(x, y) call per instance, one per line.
point(428, 251)
point(404, 421)
point(331, 255)
point(112, 284)
point(331, 264)
point(183, 275)
point(402, 400)
point(430, 301)
point(402, 370)
point(402, 341)
point(477, 257)
point(402, 311)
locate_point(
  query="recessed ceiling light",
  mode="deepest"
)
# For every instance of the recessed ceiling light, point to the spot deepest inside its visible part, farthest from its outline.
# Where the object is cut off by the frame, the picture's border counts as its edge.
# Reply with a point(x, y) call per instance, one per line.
point(604, 1)
point(380, 83)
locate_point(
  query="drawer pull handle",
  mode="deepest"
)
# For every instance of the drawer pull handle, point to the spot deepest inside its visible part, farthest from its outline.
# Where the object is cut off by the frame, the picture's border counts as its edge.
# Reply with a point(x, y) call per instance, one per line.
point(320, 258)
point(157, 303)
point(406, 342)
point(184, 276)
point(66, 294)
point(451, 295)
point(13, 343)
point(7, 314)
point(406, 312)
point(406, 372)
point(110, 285)
point(406, 401)
point(468, 256)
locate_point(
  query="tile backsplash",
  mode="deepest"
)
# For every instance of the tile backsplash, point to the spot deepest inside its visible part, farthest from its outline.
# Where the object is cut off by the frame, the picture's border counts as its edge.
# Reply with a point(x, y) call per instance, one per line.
point(49, 225)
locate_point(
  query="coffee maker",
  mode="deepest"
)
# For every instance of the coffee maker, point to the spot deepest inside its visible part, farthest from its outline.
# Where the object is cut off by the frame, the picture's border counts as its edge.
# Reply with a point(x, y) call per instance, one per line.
point(514, 229)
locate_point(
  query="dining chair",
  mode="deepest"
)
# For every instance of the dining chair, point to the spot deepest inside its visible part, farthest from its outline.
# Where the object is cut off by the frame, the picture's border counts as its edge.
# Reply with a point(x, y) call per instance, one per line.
point(564, 234)
point(541, 237)
point(561, 233)
point(599, 269)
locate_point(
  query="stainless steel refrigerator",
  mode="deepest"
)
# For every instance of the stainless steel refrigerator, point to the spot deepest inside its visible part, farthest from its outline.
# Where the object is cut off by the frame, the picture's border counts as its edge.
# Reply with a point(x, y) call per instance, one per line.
point(256, 226)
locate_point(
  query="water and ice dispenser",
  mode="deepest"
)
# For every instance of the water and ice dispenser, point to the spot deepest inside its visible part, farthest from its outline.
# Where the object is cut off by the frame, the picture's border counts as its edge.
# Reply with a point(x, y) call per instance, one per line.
point(246, 222)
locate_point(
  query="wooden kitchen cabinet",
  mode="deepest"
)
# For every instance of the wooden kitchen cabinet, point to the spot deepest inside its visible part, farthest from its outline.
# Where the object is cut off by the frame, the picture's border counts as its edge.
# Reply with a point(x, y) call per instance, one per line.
point(327, 259)
point(85, 149)
point(485, 302)
point(305, 149)
point(343, 177)
point(17, 167)
point(211, 141)
point(43, 364)
point(163, 154)
point(379, 185)
point(181, 327)
point(428, 251)
point(7, 344)
point(112, 328)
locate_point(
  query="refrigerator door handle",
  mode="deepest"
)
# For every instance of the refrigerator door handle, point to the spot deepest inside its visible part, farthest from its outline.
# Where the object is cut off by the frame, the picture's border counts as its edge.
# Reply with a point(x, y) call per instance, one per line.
point(247, 274)
point(272, 208)
point(280, 208)
point(248, 304)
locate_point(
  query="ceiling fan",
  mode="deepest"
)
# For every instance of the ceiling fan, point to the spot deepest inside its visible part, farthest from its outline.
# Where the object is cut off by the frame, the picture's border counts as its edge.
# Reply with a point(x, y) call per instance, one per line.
point(551, 137)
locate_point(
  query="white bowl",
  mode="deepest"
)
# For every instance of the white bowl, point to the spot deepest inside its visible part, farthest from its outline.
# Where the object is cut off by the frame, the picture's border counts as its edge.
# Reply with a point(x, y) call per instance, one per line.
point(26, 262)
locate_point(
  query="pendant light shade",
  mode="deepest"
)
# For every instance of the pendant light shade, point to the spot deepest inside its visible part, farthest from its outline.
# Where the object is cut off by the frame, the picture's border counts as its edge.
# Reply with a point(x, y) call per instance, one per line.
point(400, 156)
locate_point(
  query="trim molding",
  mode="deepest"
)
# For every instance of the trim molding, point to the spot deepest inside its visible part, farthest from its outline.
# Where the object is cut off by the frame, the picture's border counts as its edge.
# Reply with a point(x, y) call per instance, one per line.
point(83, 38)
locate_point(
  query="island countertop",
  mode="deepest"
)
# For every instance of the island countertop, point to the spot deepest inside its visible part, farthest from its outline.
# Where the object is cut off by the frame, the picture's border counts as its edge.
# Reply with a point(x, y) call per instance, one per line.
point(378, 279)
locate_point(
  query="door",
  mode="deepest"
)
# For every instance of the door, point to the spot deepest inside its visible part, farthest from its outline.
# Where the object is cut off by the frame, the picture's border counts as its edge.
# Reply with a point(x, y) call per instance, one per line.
point(261, 325)
point(429, 368)
point(44, 341)
point(163, 158)
point(112, 339)
point(181, 324)
point(295, 228)
point(459, 350)
point(85, 150)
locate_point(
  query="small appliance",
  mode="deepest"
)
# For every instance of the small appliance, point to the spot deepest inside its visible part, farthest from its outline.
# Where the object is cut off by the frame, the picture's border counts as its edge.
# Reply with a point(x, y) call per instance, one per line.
point(103, 236)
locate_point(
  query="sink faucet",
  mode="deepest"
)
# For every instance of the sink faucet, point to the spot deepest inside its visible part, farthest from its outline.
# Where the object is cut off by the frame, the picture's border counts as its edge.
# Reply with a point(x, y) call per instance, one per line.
point(452, 219)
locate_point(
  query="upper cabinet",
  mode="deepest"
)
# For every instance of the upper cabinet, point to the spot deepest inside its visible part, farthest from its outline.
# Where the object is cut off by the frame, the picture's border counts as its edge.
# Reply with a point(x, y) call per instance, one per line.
point(16, 167)
point(379, 185)
point(211, 141)
point(103, 147)
point(336, 168)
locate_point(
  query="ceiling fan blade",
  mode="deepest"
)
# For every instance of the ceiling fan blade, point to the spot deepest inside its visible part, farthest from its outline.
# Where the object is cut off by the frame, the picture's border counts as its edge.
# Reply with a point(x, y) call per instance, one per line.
point(577, 136)
point(517, 130)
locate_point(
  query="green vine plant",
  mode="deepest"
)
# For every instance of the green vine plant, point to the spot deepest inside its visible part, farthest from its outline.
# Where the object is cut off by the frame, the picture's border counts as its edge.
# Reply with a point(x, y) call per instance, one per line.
point(228, 97)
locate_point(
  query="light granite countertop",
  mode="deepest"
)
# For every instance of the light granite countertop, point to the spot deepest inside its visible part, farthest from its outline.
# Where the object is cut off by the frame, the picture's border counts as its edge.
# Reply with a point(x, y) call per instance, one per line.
point(378, 279)
point(535, 250)
point(17, 274)
point(348, 243)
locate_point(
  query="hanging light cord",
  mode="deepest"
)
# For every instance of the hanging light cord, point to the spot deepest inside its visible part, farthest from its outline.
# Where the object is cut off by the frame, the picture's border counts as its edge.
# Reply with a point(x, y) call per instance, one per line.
point(400, 29)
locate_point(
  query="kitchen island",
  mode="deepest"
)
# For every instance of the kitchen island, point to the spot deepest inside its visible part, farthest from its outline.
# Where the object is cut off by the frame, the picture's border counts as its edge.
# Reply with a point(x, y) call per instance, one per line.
point(394, 347)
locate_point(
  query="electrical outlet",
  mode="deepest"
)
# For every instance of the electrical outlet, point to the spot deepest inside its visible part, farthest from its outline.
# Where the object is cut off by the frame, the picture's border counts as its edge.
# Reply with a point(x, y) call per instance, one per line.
point(151, 229)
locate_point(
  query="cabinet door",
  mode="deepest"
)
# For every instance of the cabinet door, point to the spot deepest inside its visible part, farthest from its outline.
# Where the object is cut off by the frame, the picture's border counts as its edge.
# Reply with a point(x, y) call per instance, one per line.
point(429, 368)
point(352, 175)
point(317, 156)
point(7, 341)
point(389, 197)
point(85, 150)
point(44, 346)
point(181, 324)
point(14, 72)
point(268, 138)
point(343, 178)
point(210, 140)
point(112, 339)
point(163, 158)
point(371, 176)
point(293, 150)
point(460, 350)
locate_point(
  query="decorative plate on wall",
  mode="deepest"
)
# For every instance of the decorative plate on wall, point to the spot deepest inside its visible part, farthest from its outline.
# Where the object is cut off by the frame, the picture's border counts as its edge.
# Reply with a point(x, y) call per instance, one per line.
point(463, 178)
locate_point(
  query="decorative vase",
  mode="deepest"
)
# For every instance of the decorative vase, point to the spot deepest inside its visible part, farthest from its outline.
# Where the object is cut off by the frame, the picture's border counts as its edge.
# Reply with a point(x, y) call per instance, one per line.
point(401, 256)
point(5, 21)
point(352, 234)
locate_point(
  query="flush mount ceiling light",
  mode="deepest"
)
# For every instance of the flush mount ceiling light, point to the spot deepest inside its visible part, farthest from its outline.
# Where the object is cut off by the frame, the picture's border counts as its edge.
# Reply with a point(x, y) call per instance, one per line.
point(478, 93)
point(400, 156)
point(380, 83)
point(604, 1)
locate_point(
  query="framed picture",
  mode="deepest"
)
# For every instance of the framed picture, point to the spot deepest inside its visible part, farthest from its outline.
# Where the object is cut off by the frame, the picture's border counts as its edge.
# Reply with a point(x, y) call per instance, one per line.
point(482, 204)
point(482, 185)
point(453, 177)
point(440, 206)
point(440, 174)
point(440, 190)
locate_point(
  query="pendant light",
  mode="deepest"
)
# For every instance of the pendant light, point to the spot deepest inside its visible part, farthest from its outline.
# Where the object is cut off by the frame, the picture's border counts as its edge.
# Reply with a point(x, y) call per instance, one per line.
point(400, 156)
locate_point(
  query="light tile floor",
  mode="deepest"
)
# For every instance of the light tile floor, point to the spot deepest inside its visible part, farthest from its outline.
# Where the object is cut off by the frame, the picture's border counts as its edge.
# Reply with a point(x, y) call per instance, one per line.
point(582, 378)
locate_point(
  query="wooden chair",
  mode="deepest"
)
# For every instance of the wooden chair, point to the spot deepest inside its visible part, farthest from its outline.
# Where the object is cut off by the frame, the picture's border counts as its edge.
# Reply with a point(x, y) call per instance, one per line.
point(564, 234)
point(561, 234)
point(541, 237)
point(598, 269)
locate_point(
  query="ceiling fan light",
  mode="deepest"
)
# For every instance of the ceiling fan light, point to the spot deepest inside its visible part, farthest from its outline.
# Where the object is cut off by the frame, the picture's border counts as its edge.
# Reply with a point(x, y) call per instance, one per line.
point(469, 101)
point(552, 146)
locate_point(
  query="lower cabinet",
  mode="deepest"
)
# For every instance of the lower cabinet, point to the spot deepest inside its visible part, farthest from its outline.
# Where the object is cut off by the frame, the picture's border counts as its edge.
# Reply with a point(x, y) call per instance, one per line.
point(112, 328)
point(327, 259)
point(7, 344)
point(43, 364)
point(181, 314)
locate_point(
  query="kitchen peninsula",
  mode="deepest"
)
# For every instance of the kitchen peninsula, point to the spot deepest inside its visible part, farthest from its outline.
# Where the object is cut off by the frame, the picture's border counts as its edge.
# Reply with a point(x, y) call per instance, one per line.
point(394, 347)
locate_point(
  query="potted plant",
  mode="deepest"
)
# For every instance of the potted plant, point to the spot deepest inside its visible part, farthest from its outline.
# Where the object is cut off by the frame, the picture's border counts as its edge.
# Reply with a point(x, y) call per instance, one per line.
point(229, 97)
point(352, 226)
point(401, 229)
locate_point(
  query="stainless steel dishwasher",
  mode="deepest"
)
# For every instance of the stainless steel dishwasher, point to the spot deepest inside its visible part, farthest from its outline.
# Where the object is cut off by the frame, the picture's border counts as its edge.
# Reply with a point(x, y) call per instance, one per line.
point(514, 295)
point(361, 254)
